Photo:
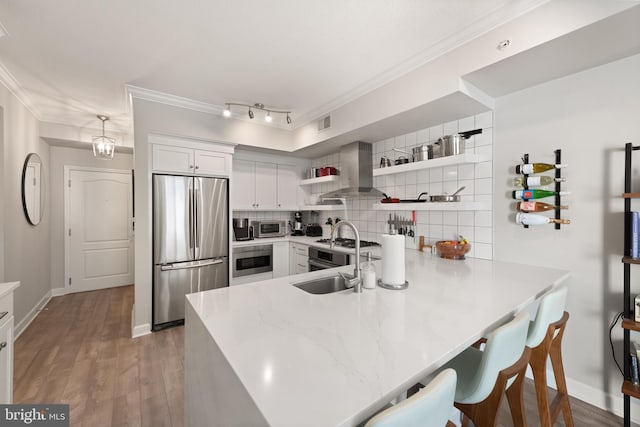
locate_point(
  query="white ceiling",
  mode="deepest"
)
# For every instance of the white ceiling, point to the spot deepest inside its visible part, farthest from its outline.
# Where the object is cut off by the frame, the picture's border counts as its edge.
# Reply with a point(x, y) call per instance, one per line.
point(71, 59)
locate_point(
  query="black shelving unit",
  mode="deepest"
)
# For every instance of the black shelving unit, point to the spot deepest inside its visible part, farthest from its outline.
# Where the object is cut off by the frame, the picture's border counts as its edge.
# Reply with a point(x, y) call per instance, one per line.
point(628, 324)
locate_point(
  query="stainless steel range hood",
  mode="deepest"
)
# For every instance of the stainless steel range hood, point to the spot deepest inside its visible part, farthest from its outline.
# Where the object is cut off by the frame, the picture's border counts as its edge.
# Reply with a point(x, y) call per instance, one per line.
point(356, 172)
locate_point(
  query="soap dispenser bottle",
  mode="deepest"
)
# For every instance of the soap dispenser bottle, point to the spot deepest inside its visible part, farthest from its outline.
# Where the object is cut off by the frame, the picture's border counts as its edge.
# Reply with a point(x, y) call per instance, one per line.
point(368, 274)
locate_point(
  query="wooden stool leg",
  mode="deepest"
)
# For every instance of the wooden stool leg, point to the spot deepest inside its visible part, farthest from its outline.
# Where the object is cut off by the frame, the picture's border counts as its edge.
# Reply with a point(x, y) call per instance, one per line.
point(555, 354)
point(538, 364)
point(516, 400)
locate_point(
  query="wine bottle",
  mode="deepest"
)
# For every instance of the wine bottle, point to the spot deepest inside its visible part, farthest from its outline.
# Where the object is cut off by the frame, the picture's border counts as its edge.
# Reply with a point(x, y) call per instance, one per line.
point(535, 219)
point(535, 181)
point(537, 207)
point(535, 194)
point(527, 168)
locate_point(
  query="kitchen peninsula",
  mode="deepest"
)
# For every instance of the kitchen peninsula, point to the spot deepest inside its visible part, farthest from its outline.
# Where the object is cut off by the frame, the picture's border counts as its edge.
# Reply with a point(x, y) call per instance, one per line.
point(269, 353)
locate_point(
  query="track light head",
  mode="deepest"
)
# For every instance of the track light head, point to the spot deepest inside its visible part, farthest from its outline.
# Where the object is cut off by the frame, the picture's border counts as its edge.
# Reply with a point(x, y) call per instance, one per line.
point(251, 115)
point(227, 111)
point(288, 119)
point(268, 118)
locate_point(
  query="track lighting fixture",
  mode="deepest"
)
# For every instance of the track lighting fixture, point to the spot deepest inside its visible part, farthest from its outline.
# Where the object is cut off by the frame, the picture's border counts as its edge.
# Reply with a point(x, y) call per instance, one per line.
point(258, 106)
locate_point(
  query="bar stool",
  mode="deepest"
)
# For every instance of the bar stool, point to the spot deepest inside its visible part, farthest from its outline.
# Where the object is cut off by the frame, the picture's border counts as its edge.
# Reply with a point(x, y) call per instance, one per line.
point(485, 376)
point(545, 341)
point(430, 407)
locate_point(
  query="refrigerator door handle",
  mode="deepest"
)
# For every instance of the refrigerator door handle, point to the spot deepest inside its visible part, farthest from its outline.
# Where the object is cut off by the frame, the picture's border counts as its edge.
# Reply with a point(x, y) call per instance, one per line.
point(190, 264)
point(190, 237)
point(196, 232)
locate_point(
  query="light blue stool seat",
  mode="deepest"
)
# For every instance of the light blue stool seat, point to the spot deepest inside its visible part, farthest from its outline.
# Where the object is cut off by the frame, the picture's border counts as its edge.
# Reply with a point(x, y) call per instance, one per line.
point(483, 376)
point(430, 407)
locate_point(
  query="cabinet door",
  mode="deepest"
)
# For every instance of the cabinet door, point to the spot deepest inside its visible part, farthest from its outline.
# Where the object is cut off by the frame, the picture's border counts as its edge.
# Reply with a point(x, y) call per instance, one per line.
point(166, 158)
point(287, 187)
point(280, 259)
point(266, 186)
point(212, 163)
point(6, 361)
point(243, 185)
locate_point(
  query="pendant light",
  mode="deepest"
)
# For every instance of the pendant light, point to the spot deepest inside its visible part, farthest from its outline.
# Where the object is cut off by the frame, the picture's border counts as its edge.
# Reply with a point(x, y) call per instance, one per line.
point(103, 146)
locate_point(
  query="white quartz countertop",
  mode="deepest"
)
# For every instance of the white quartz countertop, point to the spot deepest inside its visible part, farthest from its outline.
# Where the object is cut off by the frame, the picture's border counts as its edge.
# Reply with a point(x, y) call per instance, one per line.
point(335, 359)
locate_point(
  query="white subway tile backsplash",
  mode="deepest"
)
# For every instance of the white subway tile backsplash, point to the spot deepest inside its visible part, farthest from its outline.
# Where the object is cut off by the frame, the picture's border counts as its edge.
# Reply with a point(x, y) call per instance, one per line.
point(435, 217)
point(484, 186)
point(468, 123)
point(435, 175)
point(450, 128)
point(476, 226)
point(484, 170)
point(484, 235)
point(450, 173)
point(466, 218)
point(483, 219)
point(484, 120)
point(483, 250)
point(450, 218)
point(436, 132)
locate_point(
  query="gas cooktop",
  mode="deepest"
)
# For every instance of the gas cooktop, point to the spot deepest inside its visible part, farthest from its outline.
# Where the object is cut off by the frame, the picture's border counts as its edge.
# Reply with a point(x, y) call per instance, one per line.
point(349, 243)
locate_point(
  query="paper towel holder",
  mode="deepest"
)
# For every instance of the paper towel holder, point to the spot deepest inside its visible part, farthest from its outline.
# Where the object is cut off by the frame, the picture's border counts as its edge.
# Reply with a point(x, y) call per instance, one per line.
point(393, 287)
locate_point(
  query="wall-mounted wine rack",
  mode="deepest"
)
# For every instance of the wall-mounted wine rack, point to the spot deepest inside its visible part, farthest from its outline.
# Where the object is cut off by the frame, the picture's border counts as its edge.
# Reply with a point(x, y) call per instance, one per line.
point(558, 184)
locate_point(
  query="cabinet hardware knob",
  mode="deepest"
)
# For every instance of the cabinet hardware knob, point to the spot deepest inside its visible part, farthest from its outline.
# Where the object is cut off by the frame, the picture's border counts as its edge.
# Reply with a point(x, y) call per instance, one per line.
point(3, 344)
point(190, 166)
point(197, 167)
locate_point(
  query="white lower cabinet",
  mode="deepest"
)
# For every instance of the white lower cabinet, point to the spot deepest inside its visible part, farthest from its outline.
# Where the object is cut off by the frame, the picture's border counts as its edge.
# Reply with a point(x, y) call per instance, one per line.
point(6, 342)
point(299, 258)
point(280, 259)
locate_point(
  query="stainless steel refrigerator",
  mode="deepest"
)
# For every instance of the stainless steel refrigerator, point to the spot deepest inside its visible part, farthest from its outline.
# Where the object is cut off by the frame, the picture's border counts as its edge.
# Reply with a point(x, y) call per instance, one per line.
point(190, 241)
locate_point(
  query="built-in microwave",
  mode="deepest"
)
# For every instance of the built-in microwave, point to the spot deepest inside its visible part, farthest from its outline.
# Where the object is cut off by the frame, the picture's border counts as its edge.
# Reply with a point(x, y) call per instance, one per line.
point(252, 260)
point(269, 228)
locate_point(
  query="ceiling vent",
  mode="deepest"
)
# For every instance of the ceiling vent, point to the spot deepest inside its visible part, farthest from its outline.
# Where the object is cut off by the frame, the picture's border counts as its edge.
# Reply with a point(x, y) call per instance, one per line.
point(324, 123)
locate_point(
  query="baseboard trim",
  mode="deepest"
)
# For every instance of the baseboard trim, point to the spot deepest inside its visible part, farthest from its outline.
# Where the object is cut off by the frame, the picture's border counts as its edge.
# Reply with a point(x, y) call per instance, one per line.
point(138, 330)
point(141, 330)
point(58, 292)
point(22, 325)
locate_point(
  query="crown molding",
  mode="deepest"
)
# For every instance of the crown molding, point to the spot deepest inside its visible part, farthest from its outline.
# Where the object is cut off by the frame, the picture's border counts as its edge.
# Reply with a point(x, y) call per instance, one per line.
point(10, 82)
point(190, 104)
point(443, 46)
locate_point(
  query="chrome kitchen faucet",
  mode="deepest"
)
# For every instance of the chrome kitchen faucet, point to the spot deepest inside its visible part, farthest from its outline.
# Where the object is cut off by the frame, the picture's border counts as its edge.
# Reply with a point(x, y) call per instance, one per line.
point(356, 281)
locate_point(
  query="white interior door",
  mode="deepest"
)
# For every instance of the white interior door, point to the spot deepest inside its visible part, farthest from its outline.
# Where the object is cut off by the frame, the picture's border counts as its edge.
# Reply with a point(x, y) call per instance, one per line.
point(99, 235)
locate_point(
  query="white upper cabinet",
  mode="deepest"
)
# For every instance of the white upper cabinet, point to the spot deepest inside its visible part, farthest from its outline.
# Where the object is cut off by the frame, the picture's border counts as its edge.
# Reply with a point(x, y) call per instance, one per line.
point(287, 187)
point(263, 186)
point(174, 155)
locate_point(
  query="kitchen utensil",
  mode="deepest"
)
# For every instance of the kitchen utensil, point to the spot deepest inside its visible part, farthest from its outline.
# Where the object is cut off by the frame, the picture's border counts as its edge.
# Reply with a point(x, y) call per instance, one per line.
point(388, 199)
point(451, 145)
point(418, 200)
point(401, 160)
point(446, 197)
point(384, 162)
point(422, 152)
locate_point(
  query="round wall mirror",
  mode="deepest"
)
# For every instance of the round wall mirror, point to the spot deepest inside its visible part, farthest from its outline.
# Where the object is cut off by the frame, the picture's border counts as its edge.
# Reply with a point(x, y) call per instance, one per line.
point(33, 188)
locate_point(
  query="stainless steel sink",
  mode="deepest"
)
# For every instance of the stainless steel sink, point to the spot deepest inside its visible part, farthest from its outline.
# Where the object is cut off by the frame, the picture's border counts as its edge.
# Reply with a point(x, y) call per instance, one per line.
point(324, 285)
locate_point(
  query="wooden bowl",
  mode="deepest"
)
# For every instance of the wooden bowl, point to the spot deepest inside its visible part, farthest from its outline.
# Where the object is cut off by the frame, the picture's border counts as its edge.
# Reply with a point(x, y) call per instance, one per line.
point(452, 249)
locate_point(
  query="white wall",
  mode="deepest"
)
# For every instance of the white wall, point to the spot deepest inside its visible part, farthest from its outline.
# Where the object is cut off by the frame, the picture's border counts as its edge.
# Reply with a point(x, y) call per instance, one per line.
point(590, 116)
point(27, 248)
point(61, 157)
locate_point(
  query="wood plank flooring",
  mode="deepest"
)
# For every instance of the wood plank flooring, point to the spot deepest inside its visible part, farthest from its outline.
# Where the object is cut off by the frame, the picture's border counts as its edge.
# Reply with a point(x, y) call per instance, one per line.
point(79, 351)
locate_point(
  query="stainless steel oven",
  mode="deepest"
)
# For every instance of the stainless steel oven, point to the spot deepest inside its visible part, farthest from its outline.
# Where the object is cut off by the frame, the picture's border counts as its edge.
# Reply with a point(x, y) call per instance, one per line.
point(252, 260)
point(321, 259)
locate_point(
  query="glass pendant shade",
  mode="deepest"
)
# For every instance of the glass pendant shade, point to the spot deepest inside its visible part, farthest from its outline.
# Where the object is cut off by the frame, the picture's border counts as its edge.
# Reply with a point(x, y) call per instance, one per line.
point(103, 146)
